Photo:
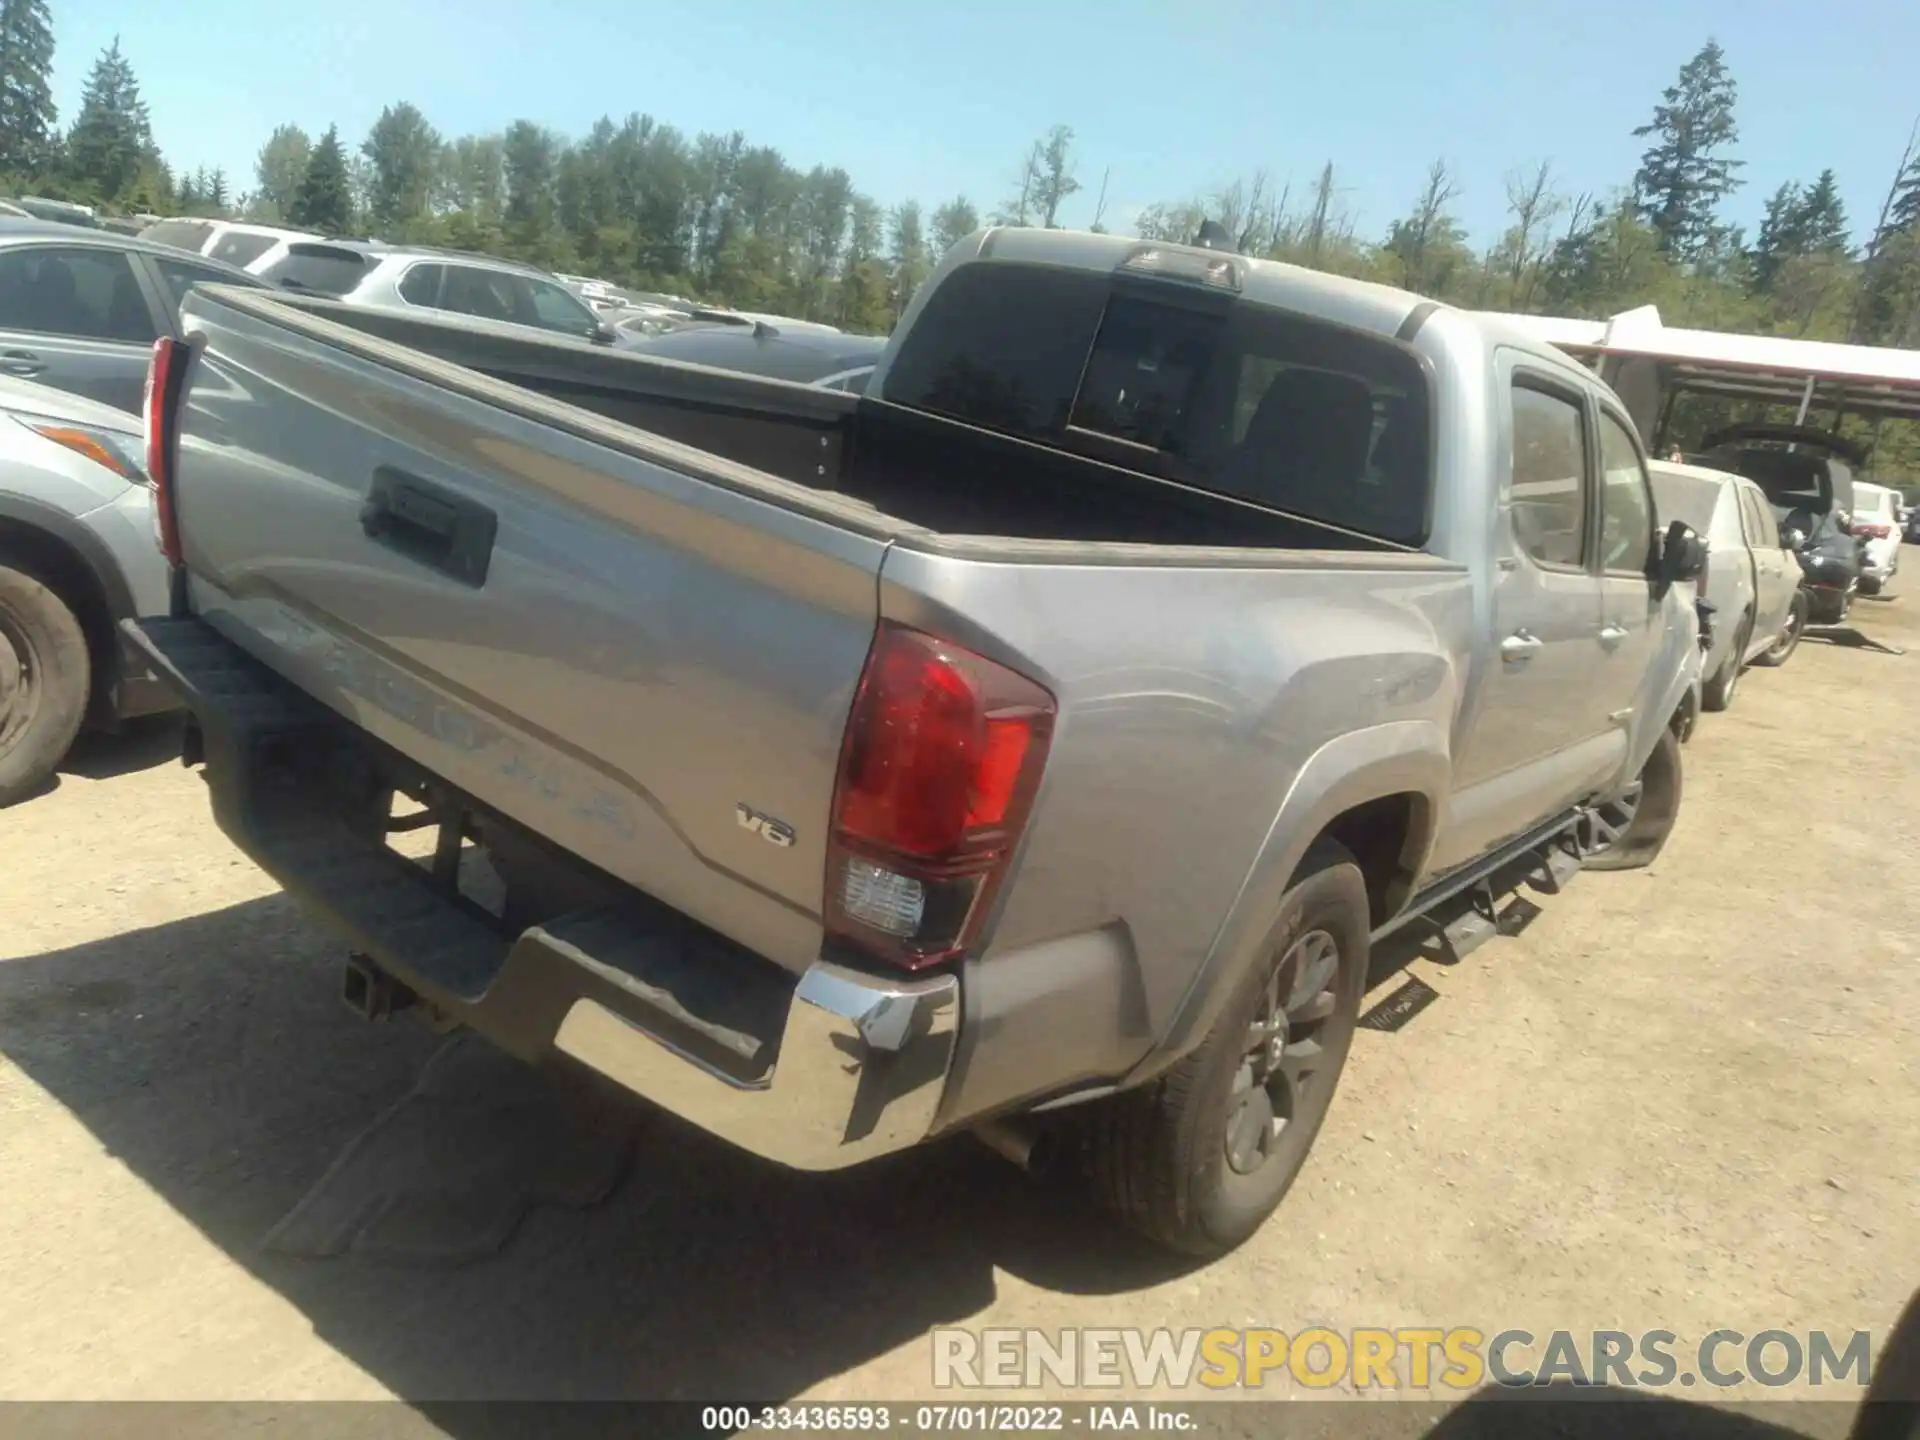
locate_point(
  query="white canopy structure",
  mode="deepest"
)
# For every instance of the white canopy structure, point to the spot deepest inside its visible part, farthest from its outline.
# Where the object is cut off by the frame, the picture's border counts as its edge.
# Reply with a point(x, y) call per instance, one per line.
point(1648, 363)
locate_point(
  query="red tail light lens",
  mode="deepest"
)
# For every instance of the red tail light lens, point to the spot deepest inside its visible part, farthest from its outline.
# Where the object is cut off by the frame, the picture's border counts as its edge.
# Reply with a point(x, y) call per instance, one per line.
point(164, 373)
point(942, 757)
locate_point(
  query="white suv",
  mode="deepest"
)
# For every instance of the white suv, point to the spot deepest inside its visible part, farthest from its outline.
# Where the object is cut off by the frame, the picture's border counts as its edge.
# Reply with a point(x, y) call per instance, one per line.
point(250, 247)
point(1876, 519)
point(402, 277)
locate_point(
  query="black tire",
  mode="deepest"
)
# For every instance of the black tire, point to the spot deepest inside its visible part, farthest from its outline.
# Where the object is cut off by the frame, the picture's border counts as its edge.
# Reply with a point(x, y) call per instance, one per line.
point(1789, 640)
point(1717, 693)
point(1629, 831)
point(1159, 1156)
point(46, 676)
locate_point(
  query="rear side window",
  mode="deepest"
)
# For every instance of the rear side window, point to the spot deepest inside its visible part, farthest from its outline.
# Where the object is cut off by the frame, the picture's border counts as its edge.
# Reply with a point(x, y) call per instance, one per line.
point(238, 248)
point(318, 270)
point(1548, 497)
point(1243, 400)
point(181, 234)
point(1761, 530)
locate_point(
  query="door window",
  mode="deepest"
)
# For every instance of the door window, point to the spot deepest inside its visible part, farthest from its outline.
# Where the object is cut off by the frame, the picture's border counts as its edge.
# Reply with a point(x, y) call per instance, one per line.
point(1550, 485)
point(485, 294)
point(1626, 525)
point(87, 293)
point(555, 309)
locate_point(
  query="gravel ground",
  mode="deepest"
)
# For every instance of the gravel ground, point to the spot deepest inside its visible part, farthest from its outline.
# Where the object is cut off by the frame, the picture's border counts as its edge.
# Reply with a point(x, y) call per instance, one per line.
point(1683, 1098)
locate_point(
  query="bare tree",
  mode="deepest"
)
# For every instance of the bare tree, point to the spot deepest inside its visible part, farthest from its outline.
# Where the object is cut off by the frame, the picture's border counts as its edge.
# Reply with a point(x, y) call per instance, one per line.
point(1315, 238)
point(1098, 226)
point(1533, 204)
point(1414, 240)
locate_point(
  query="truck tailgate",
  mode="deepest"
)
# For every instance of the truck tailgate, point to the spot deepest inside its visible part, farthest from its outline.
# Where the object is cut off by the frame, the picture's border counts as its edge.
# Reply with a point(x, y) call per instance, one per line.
point(594, 636)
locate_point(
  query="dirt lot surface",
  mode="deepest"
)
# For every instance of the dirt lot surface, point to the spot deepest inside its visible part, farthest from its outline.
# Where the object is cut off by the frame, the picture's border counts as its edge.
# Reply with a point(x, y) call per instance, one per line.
point(1684, 1099)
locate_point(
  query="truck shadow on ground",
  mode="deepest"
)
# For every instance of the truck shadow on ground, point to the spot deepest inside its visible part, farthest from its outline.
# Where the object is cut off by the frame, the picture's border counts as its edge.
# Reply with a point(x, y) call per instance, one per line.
point(212, 1057)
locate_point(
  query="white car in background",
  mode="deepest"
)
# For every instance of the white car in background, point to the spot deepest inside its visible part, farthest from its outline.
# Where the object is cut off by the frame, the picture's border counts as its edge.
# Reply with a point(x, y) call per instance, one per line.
point(250, 247)
point(1876, 519)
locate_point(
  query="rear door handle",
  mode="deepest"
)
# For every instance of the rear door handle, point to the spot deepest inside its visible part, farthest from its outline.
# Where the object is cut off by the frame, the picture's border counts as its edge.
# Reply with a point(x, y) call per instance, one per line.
point(1519, 646)
point(21, 362)
point(1612, 635)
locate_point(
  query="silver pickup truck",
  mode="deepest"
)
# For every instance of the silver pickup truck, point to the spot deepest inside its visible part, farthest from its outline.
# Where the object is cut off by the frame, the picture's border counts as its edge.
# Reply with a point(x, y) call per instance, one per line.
point(1034, 745)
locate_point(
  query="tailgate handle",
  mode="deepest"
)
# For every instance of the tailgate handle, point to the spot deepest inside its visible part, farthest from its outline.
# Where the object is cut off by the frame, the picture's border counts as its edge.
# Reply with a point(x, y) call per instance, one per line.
point(430, 525)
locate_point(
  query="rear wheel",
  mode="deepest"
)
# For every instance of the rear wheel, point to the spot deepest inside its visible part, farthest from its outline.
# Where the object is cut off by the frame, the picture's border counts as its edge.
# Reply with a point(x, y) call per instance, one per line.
point(1717, 693)
point(1199, 1158)
point(1789, 641)
point(1630, 829)
point(45, 678)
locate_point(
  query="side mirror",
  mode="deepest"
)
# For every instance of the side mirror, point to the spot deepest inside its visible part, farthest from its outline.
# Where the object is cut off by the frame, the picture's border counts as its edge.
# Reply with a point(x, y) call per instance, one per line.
point(604, 335)
point(1683, 556)
point(1794, 538)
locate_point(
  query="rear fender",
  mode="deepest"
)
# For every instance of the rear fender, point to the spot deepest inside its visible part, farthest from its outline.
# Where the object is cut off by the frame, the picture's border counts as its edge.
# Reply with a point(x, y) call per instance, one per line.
point(1409, 757)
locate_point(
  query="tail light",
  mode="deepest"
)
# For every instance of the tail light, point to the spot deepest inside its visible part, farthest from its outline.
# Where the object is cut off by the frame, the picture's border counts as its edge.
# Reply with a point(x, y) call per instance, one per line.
point(160, 408)
point(1867, 531)
point(942, 756)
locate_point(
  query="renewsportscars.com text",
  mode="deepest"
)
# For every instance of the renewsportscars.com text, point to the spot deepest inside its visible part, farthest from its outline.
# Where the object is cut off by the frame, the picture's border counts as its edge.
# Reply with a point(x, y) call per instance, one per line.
point(1401, 1358)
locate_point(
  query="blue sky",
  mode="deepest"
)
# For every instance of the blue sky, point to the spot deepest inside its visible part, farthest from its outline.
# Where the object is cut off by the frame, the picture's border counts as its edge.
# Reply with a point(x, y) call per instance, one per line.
point(923, 100)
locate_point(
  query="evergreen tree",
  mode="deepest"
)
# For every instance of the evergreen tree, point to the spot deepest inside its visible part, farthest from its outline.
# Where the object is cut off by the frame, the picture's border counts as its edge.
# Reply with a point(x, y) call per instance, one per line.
point(324, 201)
point(1800, 222)
point(26, 93)
point(217, 190)
point(111, 142)
point(1685, 173)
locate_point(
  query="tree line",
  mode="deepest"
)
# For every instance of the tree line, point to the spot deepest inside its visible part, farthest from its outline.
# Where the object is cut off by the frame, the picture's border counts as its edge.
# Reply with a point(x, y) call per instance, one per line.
point(639, 202)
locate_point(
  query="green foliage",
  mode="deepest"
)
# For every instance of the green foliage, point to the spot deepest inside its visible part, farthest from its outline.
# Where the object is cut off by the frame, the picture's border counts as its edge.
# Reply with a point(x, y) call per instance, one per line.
point(324, 201)
point(28, 142)
point(403, 155)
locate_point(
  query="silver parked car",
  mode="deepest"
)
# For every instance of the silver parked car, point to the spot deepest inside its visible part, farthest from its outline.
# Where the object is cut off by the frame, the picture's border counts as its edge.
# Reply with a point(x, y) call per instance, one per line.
point(406, 277)
point(1752, 579)
point(77, 556)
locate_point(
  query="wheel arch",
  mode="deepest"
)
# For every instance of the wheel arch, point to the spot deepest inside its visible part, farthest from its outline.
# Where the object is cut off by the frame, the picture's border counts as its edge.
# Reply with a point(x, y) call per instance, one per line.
point(76, 565)
point(1379, 792)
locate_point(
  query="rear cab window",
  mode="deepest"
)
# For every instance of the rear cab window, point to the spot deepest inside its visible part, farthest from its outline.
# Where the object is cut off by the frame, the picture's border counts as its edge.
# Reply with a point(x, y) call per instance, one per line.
point(1185, 382)
point(318, 269)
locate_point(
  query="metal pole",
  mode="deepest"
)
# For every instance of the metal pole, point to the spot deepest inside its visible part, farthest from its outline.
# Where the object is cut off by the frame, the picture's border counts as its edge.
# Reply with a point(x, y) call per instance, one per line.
point(1806, 402)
